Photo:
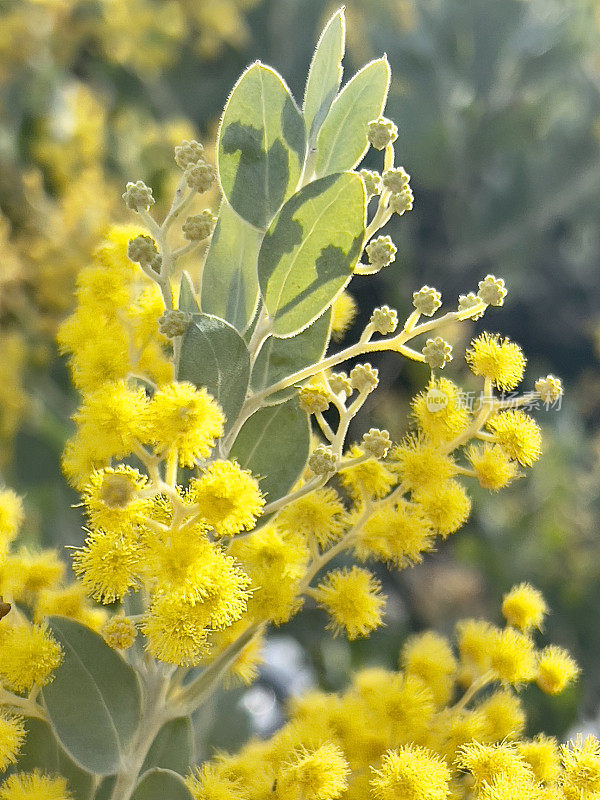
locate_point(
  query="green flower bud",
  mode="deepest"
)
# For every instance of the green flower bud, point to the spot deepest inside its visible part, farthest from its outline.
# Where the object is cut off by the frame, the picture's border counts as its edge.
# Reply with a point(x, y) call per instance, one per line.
point(492, 291)
point(381, 252)
point(313, 399)
point(143, 250)
point(322, 461)
point(402, 201)
point(549, 389)
point(427, 300)
point(384, 320)
point(382, 132)
point(188, 152)
point(376, 442)
point(200, 176)
point(467, 301)
point(437, 352)
point(372, 182)
point(174, 323)
point(364, 378)
point(199, 226)
point(138, 196)
point(338, 381)
point(396, 180)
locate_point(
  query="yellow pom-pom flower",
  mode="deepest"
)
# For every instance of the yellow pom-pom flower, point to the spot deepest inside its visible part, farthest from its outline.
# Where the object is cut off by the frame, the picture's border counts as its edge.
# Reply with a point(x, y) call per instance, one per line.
point(319, 516)
point(313, 774)
point(177, 630)
point(411, 773)
point(430, 657)
point(498, 359)
point(227, 498)
point(11, 517)
point(34, 786)
point(518, 434)
point(512, 656)
point(367, 480)
point(184, 419)
point(439, 411)
point(556, 669)
point(446, 505)
point(12, 736)
point(25, 574)
point(28, 657)
point(109, 564)
point(111, 497)
point(581, 769)
point(542, 755)
point(420, 465)
point(474, 637)
point(352, 598)
point(507, 786)
point(492, 465)
point(69, 601)
point(343, 312)
point(208, 782)
point(399, 533)
point(486, 762)
point(524, 607)
point(504, 716)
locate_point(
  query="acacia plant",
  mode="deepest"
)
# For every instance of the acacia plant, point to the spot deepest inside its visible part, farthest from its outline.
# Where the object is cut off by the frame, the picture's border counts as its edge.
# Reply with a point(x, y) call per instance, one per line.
point(212, 459)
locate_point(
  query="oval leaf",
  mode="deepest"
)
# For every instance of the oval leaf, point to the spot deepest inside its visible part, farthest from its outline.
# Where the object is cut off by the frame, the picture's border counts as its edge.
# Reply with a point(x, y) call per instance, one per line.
point(94, 700)
point(310, 251)
point(324, 75)
point(261, 145)
point(161, 784)
point(229, 279)
point(215, 356)
point(343, 141)
point(279, 358)
point(187, 295)
point(173, 747)
point(273, 444)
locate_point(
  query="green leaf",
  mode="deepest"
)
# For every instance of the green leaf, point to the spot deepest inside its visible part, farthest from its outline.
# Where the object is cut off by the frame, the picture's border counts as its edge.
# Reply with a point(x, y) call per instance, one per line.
point(261, 145)
point(310, 251)
point(173, 747)
point(273, 444)
point(324, 75)
point(94, 700)
point(187, 295)
point(279, 358)
point(215, 356)
point(229, 279)
point(42, 751)
point(343, 141)
point(161, 784)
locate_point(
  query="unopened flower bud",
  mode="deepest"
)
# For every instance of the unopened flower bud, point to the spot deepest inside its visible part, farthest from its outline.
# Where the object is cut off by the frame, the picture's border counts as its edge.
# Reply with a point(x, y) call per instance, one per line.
point(200, 176)
point(199, 226)
point(396, 179)
point(437, 352)
point(376, 443)
point(143, 250)
point(384, 320)
point(427, 300)
point(312, 399)
point(364, 378)
point(119, 632)
point(372, 181)
point(381, 252)
point(467, 301)
point(338, 382)
point(188, 152)
point(492, 291)
point(382, 132)
point(138, 196)
point(322, 461)
point(174, 323)
point(401, 201)
point(549, 389)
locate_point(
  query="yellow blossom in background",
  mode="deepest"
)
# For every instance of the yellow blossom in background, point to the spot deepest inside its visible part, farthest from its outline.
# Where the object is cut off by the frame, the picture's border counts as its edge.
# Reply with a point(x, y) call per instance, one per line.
point(504, 716)
point(524, 607)
point(353, 600)
point(320, 516)
point(12, 736)
point(11, 518)
point(492, 466)
point(430, 657)
point(556, 669)
point(343, 312)
point(28, 656)
point(24, 574)
point(512, 656)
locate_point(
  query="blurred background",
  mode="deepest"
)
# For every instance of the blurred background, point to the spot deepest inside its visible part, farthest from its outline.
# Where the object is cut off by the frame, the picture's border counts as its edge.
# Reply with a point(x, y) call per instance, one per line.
point(498, 108)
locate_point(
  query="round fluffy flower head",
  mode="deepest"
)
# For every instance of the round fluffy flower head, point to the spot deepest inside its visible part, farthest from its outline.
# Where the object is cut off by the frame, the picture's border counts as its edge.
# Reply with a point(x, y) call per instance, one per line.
point(211, 782)
point(26, 574)
point(111, 497)
point(447, 506)
point(371, 478)
point(183, 418)
point(227, 498)
point(420, 464)
point(28, 657)
point(399, 534)
point(177, 630)
point(319, 516)
point(556, 669)
point(518, 434)
point(474, 638)
point(524, 607)
point(542, 755)
point(512, 656)
point(430, 657)
point(12, 736)
point(34, 786)
point(411, 773)
point(439, 411)
point(11, 517)
point(109, 564)
point(504, 716)
point(343, 311)
point(515, 787)
point(313, 774)
point(498, 359)
point(581, 769)
point(352, 598)
point(492, 465)
point(486, 762)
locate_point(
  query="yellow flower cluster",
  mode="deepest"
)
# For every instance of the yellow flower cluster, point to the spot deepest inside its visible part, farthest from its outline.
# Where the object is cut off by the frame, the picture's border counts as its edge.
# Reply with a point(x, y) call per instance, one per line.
point(448, 723)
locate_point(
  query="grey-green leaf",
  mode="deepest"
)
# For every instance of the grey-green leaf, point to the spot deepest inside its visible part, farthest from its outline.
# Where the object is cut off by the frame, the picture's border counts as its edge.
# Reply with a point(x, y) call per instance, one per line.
point(279, 358)
point(342, 142)
point(173, 747)
point(261, 145)
point(274, 444)
point(310, 251)
point(229, 279)
point(214, 355)
point(161, 784)
point(94, 700)
point(187, 295)
point(324, 75)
